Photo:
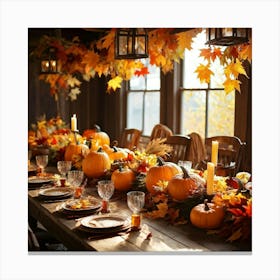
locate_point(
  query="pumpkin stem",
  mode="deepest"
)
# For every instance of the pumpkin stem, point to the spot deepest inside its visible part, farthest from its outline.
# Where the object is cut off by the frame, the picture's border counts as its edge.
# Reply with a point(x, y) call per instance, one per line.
point(100, 150)
point(160, 161)
point(97, 128)
point(115, 149)
point(120, 168)
point(206, 207)
point(185, 172)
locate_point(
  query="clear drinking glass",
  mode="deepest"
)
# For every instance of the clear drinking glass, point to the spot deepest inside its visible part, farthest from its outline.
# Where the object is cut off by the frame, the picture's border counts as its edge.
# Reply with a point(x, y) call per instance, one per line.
point(42, 162)
point(105, 190)
point(135, 202)
point(75, 179)
point(63, 167)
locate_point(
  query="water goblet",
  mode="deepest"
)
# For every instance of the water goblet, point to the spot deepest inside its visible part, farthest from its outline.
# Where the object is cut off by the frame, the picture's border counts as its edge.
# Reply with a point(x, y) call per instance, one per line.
point(135, 202)
point(75, 179)
point(105, 189)
point(42, 162)
point(63, 167)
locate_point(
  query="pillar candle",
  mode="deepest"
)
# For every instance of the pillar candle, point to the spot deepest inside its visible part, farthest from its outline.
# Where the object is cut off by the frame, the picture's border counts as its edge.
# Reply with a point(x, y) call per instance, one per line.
point(214, 153)
point(210, 178)
point(74, 123)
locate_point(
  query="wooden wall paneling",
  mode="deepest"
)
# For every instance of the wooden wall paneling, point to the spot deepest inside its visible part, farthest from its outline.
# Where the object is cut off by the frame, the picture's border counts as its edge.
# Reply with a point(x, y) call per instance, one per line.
point(243, 117)
point(40, 101)
point(170, 101)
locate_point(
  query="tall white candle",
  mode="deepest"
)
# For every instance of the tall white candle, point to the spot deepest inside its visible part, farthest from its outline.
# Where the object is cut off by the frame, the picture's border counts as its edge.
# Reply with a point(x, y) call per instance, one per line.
point(214, 152)
point(74, 123)
point(210, 178)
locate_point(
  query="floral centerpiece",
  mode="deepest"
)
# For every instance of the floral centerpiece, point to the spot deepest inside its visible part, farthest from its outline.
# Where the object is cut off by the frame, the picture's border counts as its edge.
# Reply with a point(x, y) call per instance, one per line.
point(52, 136)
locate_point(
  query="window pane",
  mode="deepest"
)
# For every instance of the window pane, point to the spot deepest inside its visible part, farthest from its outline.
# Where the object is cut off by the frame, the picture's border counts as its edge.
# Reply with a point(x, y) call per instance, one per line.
point(193, 112)
point(153, 78)
point(135, 110)
point(192, 60)
point(218, 79)
point(221, 113)
point(152, 111)
point(137, 83)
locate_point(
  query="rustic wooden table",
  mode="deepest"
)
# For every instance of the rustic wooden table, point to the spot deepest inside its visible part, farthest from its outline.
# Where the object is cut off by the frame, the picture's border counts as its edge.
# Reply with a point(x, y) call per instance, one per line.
point(154, 236)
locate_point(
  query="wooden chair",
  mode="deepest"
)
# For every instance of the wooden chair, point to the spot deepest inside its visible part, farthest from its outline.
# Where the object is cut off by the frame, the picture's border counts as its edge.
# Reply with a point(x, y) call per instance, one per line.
point(197, 151)
point(130, 138)
point(230, 154)
point(160, 131)
point(33, 243)
point(180, 145)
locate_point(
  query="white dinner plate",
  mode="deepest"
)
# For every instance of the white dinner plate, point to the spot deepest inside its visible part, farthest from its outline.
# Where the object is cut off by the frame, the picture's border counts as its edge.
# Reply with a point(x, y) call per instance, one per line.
point(103, 222)
point(77, 205)
point(55, 192)
point(39, 180)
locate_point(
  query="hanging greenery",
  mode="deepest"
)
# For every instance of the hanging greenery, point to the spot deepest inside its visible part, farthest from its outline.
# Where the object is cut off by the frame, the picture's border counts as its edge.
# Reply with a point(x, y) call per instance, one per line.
point(79, 63)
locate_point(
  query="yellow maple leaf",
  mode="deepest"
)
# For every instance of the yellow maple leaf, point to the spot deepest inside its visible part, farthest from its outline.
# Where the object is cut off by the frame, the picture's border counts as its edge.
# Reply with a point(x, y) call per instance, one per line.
point(114, 83)
point(231, 85)
point(204, 73)
point(235, 68)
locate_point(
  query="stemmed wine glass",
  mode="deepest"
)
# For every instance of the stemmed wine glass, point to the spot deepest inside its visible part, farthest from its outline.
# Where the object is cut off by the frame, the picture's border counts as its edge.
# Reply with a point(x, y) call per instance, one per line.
point(135, 202)
point(75, 178)
point(63, 167)
point(105, 190)
point(42, 162)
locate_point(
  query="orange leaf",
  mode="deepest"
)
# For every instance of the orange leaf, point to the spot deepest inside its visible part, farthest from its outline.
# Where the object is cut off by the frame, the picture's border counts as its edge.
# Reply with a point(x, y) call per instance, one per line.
point(106, 41)
point(216, 52)
point(245, 52)
point(90, 59)
point(206, 53)
point(204, 73)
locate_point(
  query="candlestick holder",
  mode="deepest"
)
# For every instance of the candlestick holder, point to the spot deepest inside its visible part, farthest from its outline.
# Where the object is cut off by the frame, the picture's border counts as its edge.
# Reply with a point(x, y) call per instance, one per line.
point(75, 132)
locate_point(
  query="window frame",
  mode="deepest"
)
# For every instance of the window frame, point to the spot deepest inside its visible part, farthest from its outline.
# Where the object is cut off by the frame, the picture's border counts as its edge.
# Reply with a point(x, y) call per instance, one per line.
point(145, 91)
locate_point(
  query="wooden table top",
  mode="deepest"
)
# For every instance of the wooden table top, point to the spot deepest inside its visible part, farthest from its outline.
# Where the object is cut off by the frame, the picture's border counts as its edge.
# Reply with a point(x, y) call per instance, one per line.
point(155, 236)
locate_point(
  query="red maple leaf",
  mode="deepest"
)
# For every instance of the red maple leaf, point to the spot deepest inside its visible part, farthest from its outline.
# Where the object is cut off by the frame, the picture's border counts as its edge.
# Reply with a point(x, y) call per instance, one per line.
point(142, 72)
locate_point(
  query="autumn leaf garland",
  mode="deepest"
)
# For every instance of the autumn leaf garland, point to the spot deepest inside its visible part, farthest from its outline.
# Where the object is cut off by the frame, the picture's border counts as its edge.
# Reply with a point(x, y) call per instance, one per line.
point(78, 62)
point(231, 58)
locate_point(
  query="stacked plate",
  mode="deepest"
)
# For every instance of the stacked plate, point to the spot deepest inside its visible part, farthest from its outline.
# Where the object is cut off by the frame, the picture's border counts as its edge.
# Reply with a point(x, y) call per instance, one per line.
point(81, 205)
point(56, 193)
point(36, 182)
point(108, 223)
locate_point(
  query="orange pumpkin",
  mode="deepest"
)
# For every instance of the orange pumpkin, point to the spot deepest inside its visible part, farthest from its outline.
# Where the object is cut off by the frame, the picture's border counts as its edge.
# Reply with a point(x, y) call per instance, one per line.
point(207, 215)
point(180, 188)
point(123, 179)
point(117, 154)
point(96, 164)
point(75, 150)
point(96, 133)
point(164, 171)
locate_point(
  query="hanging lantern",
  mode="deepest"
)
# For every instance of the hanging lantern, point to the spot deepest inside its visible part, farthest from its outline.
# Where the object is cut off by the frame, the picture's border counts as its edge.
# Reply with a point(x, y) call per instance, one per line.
point(49, 62)
point(227, 36)
point(131, 43)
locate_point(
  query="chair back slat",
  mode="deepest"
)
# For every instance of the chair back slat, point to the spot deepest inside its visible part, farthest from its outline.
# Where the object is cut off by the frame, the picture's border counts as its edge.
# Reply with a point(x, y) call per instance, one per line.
point(180, 145)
